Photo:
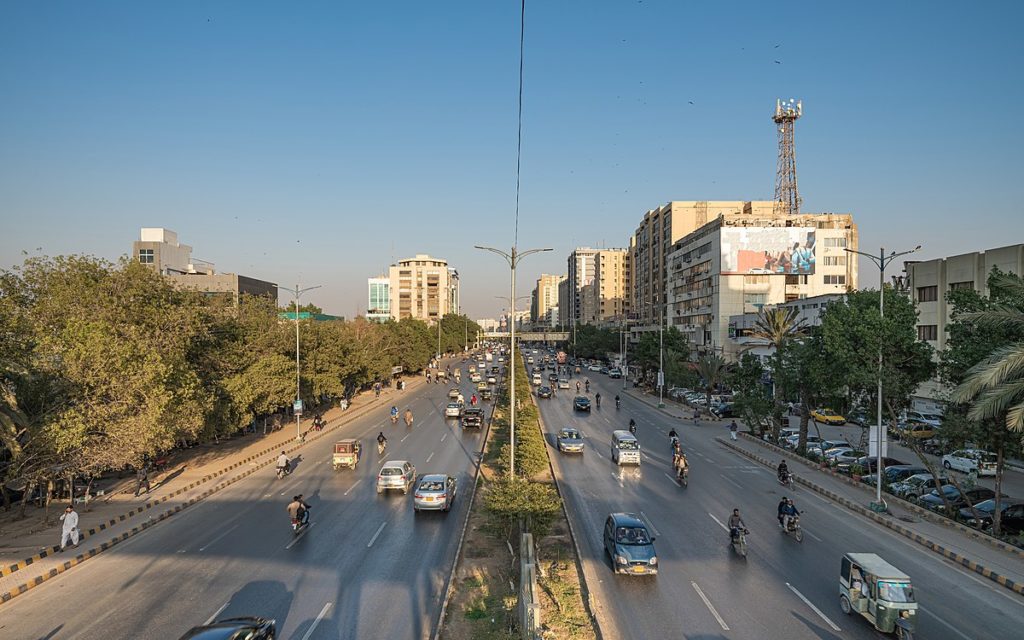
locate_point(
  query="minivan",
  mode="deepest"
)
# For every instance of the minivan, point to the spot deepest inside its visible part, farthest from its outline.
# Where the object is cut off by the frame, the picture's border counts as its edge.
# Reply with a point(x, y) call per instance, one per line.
point(625, 448)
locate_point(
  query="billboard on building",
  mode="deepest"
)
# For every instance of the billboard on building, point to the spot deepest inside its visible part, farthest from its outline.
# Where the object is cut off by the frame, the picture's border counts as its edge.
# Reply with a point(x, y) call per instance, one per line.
point(768, 250)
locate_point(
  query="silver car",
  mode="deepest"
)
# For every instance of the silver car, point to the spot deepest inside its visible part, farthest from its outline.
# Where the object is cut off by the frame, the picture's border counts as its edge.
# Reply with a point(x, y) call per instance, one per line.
point(396, 474)
point(570, 440)
point(435, 492)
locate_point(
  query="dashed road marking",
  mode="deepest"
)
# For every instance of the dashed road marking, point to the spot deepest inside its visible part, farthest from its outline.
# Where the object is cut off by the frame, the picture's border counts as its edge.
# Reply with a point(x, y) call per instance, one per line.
point(719, 523)
point(731, 480)
point(813, 608)
point(217, 613)
point(443, 437)
point(674, 481)
point(406, 436)
point(313, 626)
point(352, 487)
point(300, 536)
point(429, 457)
point(374, 538)
point(210, 543)
point(649, 523)
point(710, 607)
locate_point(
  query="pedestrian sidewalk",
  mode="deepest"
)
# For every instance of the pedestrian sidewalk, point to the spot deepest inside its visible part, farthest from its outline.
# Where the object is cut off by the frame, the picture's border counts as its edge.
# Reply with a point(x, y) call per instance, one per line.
point(968, 547)
point(30, 550)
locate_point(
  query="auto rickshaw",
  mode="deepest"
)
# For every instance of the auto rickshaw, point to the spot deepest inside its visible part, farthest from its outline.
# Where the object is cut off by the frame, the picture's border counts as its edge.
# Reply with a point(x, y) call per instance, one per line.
point(880, 592)
point(346, 453)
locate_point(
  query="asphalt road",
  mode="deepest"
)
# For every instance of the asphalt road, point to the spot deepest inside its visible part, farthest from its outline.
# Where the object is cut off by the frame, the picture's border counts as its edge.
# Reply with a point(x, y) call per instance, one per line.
point(783, 589)
point(367, 567)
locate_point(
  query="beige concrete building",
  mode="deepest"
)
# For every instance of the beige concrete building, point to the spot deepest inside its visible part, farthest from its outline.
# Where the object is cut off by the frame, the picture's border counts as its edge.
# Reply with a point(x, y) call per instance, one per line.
point(544, 298)
point(582, 264)
point(159, 249)
point(929, 281)
point(423, 287)
point(610, 280)
point(653, 239)
point(747, 259)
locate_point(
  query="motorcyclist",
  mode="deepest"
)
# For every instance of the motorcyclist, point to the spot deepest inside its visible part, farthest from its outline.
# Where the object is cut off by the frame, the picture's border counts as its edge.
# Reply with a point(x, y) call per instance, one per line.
point(577, 386)
point(394, 414)
point(408, 417)
point(597, 399)
point(587, 383)
point(299, 510)
point(736, 524)
point(788, 513)
point(781, 508)
point(382, 441)
point(618, 401)
point(681, 464)
point(783, 471)
point(283, 464)
point(672, 434)
point(472, 400)
point(632, 426)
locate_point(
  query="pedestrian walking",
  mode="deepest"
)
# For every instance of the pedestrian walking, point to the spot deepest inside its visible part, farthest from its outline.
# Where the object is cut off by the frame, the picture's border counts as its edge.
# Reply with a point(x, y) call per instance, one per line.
point(69, 528)
point(733, 428)
point(141, 480)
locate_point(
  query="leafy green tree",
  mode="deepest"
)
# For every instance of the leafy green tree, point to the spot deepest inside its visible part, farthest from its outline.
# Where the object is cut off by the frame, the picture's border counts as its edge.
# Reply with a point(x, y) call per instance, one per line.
point(750, 395)
point(779, 326)
point(712, 369)
point(595, 342)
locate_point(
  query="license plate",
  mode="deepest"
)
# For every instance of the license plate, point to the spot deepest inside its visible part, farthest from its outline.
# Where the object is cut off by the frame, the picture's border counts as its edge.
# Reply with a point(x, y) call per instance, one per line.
point(640, 569)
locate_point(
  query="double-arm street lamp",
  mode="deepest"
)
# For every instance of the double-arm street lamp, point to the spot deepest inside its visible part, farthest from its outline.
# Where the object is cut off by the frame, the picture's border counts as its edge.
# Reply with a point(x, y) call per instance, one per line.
point(513, 259)
point(881, 261)
point(297, 293)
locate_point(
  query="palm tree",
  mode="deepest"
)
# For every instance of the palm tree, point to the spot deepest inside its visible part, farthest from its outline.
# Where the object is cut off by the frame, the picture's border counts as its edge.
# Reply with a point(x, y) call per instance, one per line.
point(711, 368)
point(994, 387)
point(778, 325)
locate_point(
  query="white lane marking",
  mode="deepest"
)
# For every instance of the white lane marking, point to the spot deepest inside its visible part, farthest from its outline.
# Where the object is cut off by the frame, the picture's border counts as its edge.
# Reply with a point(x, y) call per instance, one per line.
point(429, 457)
point(300, 536)
point(443, 437)
point(710, 607)
point(731, 480)
point(649, 523)
point(719, 523)
point(674, 481)
point(812, 535)
point(217, 613)
point(406, 436)
point(374, 538)
point(813, 608)
point(948, 626)
point(320, 617)
point(210, 543)
point(352, 487)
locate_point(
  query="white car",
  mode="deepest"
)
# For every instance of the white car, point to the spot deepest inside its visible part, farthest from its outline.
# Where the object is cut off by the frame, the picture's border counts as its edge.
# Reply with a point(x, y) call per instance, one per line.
point(563, 383)
point(968, 460)
point(932, 419)
point(453, 410)
point(475, 377)
point(594, 367)
point(536, 379)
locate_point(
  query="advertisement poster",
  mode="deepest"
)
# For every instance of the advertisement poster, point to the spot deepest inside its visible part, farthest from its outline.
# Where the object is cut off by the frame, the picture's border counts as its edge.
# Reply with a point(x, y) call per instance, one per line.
point(768, 250)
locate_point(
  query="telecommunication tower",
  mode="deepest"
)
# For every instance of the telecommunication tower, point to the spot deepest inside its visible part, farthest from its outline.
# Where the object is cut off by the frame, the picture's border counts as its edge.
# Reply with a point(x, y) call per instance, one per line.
point(787, 197)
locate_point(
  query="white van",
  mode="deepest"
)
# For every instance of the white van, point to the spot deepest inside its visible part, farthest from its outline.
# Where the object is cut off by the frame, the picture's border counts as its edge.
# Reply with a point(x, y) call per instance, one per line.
point(625, 448)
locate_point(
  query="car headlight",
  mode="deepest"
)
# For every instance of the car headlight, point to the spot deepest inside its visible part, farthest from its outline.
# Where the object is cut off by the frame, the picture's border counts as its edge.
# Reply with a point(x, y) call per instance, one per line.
point(653, 560)
point(621, 560)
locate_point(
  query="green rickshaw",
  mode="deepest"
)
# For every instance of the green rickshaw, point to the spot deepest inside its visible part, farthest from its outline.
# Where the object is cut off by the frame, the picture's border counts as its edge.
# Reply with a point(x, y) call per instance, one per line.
point(880, 592)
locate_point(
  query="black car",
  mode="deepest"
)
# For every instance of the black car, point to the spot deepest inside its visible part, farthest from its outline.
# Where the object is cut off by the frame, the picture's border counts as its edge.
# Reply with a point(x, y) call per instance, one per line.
point(898, 473)
point(472, 417)
point(581, 403)
point(250, 628)
point(723, 410)
point(869, 464)
point(544, 392)
point(980, 515)
point(552, 377)
point(970, 497)
point(486, 393)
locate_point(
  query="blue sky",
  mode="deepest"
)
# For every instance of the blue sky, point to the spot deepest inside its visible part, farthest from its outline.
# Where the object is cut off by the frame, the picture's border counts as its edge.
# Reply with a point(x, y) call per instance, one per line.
point(317, 142)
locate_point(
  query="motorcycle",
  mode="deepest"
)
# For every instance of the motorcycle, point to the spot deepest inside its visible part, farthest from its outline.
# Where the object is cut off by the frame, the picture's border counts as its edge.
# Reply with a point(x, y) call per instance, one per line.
point(381, 446)
point(787, 480)
point(284, 471)
point(632, 428)
point(794, 528)
point(618, 404)
point(394, 419)
point(299, 523)
point(739, 543)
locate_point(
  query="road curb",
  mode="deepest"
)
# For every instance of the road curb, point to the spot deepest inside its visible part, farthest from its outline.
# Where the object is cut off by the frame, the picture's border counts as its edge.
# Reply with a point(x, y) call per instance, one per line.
point(974, 534)
point(905, 532)
point(82, 557)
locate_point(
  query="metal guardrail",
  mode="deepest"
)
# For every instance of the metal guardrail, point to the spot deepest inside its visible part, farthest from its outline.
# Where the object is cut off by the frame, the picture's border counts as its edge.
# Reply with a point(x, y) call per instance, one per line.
point(528, 607)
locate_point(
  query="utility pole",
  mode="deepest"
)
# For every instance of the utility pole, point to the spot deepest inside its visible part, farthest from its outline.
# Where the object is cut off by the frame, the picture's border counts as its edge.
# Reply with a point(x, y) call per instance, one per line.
point(297, 293)
point(513, 259)
point(881, 261)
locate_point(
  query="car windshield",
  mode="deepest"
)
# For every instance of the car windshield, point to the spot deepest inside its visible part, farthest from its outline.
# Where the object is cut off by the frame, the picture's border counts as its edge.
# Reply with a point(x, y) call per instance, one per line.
point(432, 485)
point(895, 592)
point(632, 535)
point(984, 456)
point(988, 506)
point(629, 445)
point(570, 433)
point(391, 471)
point(452, 405)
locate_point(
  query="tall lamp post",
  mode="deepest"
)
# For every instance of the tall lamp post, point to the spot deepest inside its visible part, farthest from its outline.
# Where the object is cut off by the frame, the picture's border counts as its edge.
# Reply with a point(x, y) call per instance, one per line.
point(297, 293)
point(881, 261)
point(513, 259)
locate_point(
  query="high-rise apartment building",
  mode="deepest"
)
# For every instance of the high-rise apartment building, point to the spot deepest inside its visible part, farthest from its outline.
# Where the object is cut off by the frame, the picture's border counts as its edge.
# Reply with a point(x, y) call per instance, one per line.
point(653, 239)
point(423, 287)
point(610, 279)
point(378, 306)
point(160, 250)
point(544, 297)
point(741, 261)
point(582, 264)
point(929, 282)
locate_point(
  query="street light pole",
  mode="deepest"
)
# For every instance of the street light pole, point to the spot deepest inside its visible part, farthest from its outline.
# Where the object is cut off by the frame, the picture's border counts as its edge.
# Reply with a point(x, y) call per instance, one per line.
point(513, 259)
point(297, 293)
point(881, 261)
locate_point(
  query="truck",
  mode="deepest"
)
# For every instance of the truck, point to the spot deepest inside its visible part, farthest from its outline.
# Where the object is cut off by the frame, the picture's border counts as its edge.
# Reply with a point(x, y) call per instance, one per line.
point(561, 357)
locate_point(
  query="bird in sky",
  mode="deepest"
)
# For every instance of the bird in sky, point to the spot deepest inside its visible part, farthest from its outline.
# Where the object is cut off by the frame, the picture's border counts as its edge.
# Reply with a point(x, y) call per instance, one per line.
point(778, 62)
point(691, 101)
point(777, 46)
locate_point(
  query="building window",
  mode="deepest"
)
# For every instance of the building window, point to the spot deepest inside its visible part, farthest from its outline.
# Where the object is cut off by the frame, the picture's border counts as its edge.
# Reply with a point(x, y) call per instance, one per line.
point(928, 332)
point(756, 299)
point(146, 256)
point(956, 286)
point(835, 243)
point(835, 279)
point(927, 294)
point(835, 261)
point(753, 279)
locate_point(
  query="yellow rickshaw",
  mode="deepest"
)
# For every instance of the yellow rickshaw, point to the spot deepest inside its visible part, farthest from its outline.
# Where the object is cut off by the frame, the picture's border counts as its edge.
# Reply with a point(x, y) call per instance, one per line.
point(880, 592)
point(346, 453)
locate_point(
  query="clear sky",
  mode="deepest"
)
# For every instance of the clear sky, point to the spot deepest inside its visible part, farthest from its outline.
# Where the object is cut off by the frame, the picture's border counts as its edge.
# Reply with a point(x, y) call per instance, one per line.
point(319, 141)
